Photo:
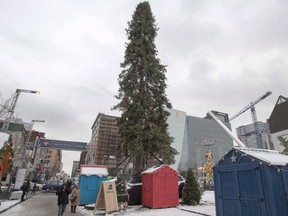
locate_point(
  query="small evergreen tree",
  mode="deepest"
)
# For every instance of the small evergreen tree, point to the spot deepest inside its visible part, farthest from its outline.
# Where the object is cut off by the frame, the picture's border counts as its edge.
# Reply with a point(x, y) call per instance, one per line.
point(122, 195)
point(143, 127)
point(191, 194)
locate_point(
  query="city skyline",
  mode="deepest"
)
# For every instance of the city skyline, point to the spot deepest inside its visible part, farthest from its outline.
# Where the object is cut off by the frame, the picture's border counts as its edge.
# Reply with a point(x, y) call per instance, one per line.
point(219, 56)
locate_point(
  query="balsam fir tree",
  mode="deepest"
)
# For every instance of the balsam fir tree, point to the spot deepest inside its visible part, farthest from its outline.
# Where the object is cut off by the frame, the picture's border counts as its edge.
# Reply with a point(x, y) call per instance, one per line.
point(143, 127)
point(191, 194)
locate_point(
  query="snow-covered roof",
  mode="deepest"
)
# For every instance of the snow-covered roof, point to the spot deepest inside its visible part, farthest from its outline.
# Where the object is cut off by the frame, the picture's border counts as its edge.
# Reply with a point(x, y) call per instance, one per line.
point(152, 169)
point(269, 156)
point(99, 171)
point(155, 168)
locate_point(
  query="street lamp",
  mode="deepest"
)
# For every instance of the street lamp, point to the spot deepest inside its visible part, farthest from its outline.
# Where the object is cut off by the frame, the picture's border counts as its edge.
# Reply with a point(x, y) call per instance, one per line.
point(10, 113)
point(13, 105)
point(27, 140)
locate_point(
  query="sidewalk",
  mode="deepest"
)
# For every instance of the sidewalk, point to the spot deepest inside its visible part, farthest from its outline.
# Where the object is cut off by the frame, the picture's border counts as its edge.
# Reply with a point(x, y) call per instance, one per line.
point(9, 203)
point(206, 208)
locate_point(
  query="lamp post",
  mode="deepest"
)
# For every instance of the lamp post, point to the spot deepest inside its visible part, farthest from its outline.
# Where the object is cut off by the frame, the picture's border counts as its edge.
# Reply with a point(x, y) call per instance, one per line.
point(13, 105)
point(10, 113)
point(27, 141)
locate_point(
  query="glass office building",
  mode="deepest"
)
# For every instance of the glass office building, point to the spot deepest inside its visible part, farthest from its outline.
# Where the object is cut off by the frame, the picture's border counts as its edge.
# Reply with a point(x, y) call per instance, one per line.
point(194, 136)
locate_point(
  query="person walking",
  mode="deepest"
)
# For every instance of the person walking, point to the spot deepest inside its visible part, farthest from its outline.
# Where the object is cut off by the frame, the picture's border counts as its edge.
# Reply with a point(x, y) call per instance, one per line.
point(25, 188)
point(75, 198)
point(62, 194)
point(69, 184)
point(34, 188)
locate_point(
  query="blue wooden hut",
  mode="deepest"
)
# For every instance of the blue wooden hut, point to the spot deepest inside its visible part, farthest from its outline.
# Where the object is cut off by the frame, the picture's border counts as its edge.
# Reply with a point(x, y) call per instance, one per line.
point(251, 182)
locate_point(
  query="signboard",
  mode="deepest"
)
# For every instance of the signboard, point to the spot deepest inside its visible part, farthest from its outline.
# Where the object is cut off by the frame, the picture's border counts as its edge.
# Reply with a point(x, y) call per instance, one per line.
point(63, 145)
point(12, 127)
point(20, 178)
point(107, 197)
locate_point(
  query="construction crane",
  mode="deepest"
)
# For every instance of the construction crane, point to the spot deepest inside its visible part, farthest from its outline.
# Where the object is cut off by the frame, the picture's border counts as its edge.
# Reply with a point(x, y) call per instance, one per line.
point(251, 106)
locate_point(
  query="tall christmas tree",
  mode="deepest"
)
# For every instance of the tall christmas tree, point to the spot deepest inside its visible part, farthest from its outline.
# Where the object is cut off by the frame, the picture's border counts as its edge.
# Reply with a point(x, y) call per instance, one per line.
point(143, 124)
point(191, 194)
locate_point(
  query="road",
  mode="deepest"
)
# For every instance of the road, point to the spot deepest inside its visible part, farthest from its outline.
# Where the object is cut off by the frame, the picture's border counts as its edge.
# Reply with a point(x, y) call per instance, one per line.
point(41, 204)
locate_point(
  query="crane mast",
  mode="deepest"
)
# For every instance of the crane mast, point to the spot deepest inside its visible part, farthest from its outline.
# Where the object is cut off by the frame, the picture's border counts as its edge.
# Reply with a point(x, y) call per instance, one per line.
point(251, 106)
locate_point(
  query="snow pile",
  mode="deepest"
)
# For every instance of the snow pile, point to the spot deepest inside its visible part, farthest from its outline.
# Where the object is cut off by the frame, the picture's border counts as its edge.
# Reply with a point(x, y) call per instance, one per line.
point(93, 170)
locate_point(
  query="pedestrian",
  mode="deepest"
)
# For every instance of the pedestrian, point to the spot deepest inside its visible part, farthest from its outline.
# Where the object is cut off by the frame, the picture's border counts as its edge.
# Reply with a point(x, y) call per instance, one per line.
point(25, 187)
point(63, 194)
point(69, 184)
point(75, 198)
point(34, 188)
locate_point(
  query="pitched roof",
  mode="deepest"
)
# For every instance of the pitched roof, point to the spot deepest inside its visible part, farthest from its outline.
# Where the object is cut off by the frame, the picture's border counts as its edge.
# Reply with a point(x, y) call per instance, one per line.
point(155, 168)
point(268, 156)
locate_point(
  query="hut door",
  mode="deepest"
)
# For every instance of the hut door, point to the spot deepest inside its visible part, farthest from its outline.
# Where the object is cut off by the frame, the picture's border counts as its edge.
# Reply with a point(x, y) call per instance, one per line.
point(241, 191)
point(285, 180)
point(250, 191)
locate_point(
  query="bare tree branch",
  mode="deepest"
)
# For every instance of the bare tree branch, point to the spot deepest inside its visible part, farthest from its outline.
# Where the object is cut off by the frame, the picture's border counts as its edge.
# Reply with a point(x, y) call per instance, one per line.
point(4, 106)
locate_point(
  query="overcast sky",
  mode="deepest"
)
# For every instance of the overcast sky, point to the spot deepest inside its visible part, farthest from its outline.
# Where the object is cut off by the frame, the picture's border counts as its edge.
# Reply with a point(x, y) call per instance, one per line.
point(220, 55)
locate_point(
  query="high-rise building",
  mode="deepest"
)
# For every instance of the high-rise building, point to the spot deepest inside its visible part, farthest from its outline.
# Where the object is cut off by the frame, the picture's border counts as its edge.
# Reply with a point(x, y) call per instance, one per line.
point(248, 135)
point(75, 169)
point(52, 162)
point(104, 140)
point(194, 136)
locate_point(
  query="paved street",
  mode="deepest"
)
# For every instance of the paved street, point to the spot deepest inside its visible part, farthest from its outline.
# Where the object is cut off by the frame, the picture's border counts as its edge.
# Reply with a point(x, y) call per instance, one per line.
point(46, 204)
point(40, 204)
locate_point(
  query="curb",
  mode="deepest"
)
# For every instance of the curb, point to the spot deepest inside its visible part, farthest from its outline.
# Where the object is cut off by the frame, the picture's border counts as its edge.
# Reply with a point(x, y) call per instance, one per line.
point(195, 212)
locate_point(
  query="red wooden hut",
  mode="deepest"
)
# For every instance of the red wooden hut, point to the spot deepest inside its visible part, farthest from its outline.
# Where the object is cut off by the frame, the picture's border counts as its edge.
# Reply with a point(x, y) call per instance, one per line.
point(160, 187)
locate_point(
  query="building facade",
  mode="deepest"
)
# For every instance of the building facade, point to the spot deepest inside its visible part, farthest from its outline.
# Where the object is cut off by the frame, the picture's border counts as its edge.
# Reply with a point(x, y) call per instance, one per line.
point(52, 162)
point(75, 169)
point(104, 140)
point(248, 136)
point(278, 122)
point(194, 137)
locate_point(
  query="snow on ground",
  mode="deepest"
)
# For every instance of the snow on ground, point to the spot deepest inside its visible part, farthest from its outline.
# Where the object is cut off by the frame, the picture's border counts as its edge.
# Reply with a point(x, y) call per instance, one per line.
point(206, 207)
point(7, 203)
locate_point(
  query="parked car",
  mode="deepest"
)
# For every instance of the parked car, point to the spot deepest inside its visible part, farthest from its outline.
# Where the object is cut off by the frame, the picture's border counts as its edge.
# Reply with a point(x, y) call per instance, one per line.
point(51, 186)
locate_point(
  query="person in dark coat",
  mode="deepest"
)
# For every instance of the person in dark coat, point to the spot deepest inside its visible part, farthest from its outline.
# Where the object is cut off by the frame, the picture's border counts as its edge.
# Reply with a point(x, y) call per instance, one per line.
point(34, 188)
point(69, 184)
point(63, 194)
point(25, 188)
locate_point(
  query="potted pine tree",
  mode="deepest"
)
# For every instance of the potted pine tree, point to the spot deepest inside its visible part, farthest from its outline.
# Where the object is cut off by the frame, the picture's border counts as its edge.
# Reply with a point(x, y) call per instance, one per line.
point(122, 195)
point(191, 194)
